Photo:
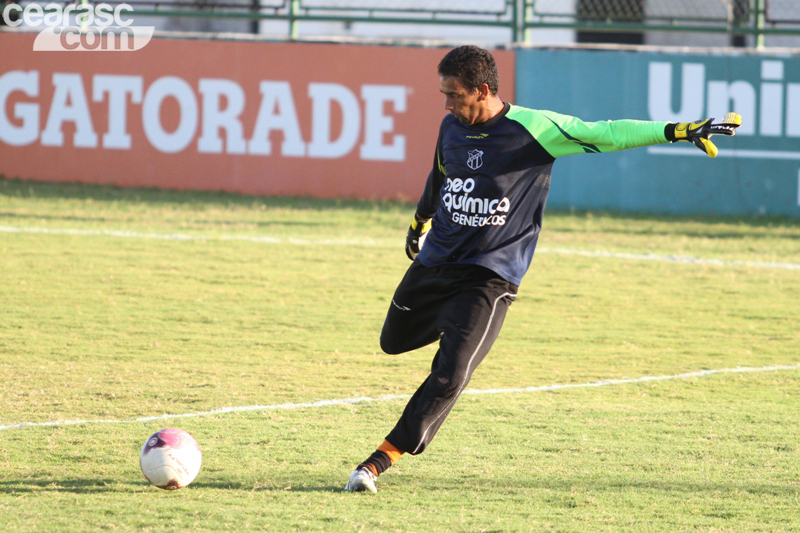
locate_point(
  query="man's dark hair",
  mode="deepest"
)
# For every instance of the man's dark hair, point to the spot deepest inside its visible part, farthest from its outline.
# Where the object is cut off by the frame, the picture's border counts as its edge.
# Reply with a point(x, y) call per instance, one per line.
point(472, 65)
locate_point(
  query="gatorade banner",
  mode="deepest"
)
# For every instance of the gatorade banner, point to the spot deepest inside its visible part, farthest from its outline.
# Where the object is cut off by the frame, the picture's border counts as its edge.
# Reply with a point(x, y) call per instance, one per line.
point(265, 118)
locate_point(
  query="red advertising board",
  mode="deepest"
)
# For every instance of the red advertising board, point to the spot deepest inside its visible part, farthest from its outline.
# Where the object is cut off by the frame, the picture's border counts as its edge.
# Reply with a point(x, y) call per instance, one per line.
point(265, 118)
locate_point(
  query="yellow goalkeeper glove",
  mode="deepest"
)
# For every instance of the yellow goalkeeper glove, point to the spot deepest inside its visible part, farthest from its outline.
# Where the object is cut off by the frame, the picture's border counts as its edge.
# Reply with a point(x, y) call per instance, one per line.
point(416, 235)
point(699, 133)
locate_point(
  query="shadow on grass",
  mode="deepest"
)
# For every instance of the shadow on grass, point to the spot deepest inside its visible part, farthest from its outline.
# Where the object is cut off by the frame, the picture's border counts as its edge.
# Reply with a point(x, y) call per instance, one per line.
point(97, 486)
point(329, 488)
point(560, 486)
point(151, 195)
point(197, 221)
point(703, 226)
point(568, 486)
point(78, 486)
point(556, 486)
point(274, 487)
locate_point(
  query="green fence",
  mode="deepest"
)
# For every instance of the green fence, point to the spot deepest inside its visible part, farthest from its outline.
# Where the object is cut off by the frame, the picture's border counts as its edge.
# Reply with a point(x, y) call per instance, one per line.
point(736, 17)
point(759, 18)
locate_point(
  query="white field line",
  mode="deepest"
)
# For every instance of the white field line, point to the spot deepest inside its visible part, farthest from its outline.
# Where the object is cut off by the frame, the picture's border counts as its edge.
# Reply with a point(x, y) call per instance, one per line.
point(190, 237)
point(371, 243)
point(392, 397)
point(670, 258)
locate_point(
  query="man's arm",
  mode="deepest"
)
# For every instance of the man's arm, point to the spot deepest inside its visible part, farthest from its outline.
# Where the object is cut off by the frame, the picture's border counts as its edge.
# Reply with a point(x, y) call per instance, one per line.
point(427, 205)
point(564, 135)
point(429, 201)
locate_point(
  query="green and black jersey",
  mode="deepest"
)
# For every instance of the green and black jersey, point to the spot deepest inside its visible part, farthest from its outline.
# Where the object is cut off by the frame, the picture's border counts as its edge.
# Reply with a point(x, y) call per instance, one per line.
point(488, 187)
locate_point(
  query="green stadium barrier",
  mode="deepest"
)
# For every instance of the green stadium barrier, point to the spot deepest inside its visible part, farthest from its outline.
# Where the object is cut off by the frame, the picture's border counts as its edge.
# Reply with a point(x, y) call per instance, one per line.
point(756, 173)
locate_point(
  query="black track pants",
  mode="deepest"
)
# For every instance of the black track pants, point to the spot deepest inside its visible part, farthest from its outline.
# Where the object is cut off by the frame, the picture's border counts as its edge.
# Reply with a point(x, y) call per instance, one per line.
point(462, 306)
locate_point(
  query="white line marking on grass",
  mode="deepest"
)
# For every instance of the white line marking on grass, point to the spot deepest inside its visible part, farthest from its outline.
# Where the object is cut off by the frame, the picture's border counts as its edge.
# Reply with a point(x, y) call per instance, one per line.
point(392, 397)
point(371, 243)
point(263, 239)
point(642, 379)
point(220, 411)
point(671, 258)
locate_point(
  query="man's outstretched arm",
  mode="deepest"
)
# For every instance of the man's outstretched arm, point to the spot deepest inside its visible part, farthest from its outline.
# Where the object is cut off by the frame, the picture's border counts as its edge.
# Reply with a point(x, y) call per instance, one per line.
point(564, 135)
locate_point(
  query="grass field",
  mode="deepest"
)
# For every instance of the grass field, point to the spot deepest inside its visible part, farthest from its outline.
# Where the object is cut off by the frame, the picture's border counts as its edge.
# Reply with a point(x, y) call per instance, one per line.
point(253, 324)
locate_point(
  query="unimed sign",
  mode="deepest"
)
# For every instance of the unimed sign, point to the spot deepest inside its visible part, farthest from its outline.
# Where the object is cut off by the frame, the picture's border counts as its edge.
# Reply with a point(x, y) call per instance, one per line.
point(757, 172)
point(258, 118)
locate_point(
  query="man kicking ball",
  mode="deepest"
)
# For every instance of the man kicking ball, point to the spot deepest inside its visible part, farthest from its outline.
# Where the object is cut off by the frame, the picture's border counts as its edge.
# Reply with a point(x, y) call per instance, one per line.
point(483, 203)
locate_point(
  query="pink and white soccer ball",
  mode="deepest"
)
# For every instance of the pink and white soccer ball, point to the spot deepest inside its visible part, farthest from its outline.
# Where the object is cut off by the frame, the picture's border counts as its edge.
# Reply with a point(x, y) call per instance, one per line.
point(170, 458)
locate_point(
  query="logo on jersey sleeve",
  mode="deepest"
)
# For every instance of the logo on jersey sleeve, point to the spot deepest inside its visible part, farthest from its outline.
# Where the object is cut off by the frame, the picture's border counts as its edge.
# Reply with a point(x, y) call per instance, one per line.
point(475, 159)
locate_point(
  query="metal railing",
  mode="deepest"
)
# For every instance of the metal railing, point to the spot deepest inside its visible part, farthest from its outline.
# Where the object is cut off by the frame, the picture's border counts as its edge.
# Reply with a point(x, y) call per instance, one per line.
point(758, 18)
point(735, 17)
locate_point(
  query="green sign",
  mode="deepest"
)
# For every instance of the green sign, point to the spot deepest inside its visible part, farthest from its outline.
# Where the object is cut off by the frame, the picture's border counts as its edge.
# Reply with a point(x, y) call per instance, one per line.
point(757, 172)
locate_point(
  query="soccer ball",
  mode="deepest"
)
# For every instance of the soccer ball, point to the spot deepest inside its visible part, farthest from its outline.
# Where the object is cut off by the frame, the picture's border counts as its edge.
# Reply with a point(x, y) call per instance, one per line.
point(170, 458)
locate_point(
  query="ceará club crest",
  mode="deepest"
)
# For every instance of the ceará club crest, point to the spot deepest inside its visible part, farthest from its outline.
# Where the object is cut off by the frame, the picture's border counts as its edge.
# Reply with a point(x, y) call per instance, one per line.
point(475, 159)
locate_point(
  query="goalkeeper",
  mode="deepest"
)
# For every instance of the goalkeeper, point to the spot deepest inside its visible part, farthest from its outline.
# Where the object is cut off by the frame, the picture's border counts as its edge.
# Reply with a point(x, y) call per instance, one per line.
point(484, 201)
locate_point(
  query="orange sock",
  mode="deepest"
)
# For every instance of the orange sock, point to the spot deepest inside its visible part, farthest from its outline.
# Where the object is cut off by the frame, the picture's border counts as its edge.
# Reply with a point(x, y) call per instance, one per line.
point(382, 459)
point(393, 453)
